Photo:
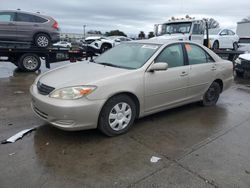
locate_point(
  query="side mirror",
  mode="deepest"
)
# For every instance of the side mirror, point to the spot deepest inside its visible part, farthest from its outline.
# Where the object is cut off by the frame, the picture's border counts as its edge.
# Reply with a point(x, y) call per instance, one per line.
point(161, 66)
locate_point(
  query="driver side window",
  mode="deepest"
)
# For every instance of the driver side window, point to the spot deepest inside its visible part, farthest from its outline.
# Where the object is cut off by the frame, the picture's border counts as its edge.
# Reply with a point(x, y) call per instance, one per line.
point(173, 55)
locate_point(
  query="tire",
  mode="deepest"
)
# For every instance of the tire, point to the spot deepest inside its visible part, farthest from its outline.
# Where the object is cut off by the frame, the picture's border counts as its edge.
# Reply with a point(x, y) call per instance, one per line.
point(42, 40)
point(29, 62)
point(212, 95)
point(235, 46)
point(117, 115)
point(105, 47)
point(216, 45)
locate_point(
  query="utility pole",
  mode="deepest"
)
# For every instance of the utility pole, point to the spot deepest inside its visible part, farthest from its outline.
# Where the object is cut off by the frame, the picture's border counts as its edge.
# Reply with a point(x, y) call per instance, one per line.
point(84, 33)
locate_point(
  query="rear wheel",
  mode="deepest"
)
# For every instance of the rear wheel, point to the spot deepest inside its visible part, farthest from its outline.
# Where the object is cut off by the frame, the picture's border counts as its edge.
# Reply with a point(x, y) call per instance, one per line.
point(235, 46)
point(212, 95)
point(216, 45)
point(117, 115)
point(29, 62)
point(42, 40)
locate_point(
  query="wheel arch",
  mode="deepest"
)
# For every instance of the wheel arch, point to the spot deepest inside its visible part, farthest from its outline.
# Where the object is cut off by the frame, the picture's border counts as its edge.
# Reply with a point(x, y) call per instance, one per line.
point(106, 43)
point(220, 82)
point(129, 94)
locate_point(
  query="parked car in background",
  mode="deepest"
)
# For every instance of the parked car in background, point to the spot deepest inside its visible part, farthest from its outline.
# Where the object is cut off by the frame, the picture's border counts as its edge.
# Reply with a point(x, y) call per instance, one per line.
point(19, 26)
point(242, 65)
point(99, 44)
point(131, 80)
point(119, 39)
point(223, 39)
point(63, 44)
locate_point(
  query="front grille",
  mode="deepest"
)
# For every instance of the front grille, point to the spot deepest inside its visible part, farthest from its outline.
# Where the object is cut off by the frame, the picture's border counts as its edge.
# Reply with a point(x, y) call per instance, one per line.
point(44, 89)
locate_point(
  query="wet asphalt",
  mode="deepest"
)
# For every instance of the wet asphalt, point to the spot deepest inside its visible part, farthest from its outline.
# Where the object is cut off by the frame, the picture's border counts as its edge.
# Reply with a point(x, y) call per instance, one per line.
point(198, 146)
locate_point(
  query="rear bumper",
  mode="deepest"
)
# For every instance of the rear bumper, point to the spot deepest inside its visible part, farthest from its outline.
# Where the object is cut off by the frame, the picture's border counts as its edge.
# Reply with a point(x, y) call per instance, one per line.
point(55, 37)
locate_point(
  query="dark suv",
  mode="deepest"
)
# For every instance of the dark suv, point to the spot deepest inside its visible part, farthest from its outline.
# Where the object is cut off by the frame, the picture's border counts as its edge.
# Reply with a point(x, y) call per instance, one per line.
point(28, 27)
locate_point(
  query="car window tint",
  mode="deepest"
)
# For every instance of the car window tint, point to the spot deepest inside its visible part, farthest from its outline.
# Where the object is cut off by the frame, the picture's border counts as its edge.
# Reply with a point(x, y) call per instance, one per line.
point(224, 32)
point(196, 55)
point(173, 55)
point(198, 29)
point(22, 17)
point(6, 17)
point(38, 19)
point(231, 32)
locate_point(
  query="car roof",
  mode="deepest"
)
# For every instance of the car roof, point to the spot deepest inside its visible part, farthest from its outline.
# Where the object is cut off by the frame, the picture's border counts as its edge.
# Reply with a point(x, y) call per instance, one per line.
point(31, 13)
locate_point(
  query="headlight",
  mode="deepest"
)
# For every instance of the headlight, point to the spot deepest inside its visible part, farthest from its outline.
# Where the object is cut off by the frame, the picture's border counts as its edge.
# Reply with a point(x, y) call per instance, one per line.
point(71, 93)
point(238, 61)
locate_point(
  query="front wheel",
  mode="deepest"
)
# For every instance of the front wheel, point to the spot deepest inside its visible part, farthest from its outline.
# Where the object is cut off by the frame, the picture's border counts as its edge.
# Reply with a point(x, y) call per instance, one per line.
point(212, 95)
point(42, 40)
point(117, 115)
point(105, 47)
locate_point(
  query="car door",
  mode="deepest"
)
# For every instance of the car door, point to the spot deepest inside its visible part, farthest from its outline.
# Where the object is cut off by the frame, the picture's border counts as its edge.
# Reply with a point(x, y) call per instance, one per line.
point(223, 39)
point(198, 33)
point(233, 38)
point(25, 26)
point(166, 88)
point(7, 26)
point(202, 70)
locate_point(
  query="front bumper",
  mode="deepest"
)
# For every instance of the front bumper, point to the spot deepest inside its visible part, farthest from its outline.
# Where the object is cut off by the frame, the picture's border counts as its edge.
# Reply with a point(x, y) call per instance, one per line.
point(70, 115)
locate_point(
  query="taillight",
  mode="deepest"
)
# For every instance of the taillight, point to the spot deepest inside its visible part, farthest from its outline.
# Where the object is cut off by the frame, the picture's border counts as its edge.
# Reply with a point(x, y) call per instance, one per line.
point(55, 25)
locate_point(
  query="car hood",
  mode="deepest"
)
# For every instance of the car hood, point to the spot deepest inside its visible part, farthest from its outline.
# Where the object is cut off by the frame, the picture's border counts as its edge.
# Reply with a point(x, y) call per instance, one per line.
point(245, 56)
point(82, 73)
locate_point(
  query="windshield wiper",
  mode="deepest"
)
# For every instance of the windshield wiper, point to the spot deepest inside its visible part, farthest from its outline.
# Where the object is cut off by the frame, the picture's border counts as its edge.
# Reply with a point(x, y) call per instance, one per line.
point(110, 64)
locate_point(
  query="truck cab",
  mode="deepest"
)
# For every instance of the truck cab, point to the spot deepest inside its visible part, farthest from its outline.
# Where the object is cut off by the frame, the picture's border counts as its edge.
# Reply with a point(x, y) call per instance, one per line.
point(182, 29)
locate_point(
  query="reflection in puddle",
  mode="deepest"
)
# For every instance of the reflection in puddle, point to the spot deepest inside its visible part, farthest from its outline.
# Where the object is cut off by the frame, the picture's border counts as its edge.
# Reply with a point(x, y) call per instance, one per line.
point(8, 69)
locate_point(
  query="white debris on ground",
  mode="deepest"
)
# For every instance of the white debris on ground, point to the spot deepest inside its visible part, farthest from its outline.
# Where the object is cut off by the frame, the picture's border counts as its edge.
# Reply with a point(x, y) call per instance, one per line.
point(154, 159)
point(17, 136)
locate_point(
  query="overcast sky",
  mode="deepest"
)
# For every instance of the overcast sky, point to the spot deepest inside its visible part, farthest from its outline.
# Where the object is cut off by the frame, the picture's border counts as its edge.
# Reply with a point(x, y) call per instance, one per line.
point(130, 16)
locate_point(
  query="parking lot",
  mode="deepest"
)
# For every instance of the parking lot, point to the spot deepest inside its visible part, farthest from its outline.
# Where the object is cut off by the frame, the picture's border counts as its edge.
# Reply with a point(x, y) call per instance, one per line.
point(198, 146)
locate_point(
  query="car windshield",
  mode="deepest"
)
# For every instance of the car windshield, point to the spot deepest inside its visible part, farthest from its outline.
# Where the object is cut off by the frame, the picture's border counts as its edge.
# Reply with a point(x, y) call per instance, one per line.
point(214, 31)
point(128, 55)
point(172, 28)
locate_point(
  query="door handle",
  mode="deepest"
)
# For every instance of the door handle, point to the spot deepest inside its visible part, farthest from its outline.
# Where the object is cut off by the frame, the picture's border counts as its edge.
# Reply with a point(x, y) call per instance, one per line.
point(35, 25)
point(11, 24)
point(184, 73)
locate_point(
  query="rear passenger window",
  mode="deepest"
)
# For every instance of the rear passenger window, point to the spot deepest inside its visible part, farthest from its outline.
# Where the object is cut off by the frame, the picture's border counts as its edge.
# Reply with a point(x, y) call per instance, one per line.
point(38, 19)
point(173, 55)
point(6, 17)
point(196, 55)
point(21, 17)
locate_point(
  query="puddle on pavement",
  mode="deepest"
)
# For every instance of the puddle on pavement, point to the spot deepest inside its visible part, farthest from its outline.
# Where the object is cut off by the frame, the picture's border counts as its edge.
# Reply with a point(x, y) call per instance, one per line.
point(8, 69)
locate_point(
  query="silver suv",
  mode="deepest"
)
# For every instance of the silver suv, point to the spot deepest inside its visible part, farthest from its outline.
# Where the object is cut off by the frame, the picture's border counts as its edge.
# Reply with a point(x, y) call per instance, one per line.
point(28, 27)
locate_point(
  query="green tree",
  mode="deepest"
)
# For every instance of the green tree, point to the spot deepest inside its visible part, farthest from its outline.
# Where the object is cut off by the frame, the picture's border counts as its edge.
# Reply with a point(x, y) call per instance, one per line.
point(212, 23)
point(115, 33)
point(141, 35)
point(151, 34)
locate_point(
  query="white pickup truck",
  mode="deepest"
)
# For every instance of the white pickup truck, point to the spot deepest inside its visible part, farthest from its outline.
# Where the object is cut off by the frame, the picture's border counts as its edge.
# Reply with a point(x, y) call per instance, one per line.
point(182, 29)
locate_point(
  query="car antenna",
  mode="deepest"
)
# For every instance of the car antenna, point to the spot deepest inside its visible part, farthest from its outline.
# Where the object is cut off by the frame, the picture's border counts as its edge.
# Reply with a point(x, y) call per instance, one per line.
point(18, 9)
